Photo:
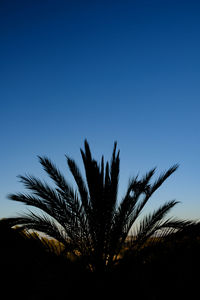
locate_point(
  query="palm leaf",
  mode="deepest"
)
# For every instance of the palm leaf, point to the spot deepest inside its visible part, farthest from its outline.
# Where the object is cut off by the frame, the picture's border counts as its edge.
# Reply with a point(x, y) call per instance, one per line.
point(163, 177)
point(152, 222)
point(148, 191)
point(44, 198)
point(40, 223)
point(56, 175)
point(80, 183)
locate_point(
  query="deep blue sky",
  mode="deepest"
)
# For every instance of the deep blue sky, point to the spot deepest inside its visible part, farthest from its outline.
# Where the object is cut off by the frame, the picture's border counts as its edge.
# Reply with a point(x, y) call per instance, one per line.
point(102, 70)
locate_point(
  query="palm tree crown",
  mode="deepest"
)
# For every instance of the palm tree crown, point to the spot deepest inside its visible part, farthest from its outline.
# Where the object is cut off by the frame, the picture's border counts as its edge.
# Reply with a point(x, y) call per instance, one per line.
point(88, 221)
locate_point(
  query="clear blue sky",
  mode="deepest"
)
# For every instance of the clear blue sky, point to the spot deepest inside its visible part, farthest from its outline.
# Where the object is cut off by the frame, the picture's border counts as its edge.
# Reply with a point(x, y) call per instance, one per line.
point(102, 70)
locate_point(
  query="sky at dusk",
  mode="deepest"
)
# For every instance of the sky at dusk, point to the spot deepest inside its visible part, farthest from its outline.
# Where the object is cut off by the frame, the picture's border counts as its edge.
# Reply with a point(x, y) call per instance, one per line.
point(103, 70)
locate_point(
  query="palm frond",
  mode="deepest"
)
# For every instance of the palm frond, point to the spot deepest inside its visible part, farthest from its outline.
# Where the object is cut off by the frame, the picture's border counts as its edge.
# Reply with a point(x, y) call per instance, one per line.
point(40, 189)
point(80, 183)
point(163, 177)
point(32, 201)
point(73, 221)
point(148, 191)
point(44, 224)
point(114, 178)
point(96, 192)
point(173, 225)
point(44, 197)
point(154, 222)
point(122, 219)
point(94, 179)
point(135, 189)
point(56, 175)
point(102, 170)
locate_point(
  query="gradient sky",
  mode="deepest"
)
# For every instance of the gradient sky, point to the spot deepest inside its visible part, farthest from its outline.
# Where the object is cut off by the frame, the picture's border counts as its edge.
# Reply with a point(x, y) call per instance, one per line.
point(102, 70)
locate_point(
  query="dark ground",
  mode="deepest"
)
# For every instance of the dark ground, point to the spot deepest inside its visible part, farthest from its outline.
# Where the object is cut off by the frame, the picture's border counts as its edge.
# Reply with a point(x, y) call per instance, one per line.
point(169, 270)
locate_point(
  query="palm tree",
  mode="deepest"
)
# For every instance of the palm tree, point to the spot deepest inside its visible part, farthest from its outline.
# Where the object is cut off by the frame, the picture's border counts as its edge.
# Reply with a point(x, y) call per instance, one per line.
point(89, 221)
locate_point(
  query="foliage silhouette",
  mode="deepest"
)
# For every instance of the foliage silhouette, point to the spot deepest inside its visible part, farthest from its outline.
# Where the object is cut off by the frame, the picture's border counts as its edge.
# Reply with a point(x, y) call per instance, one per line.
point(31, 268)
point(168, 269)
point(89, 222)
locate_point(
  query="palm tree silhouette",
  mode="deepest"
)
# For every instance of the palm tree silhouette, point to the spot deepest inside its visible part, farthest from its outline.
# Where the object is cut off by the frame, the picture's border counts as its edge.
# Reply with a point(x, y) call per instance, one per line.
point(89, 221)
